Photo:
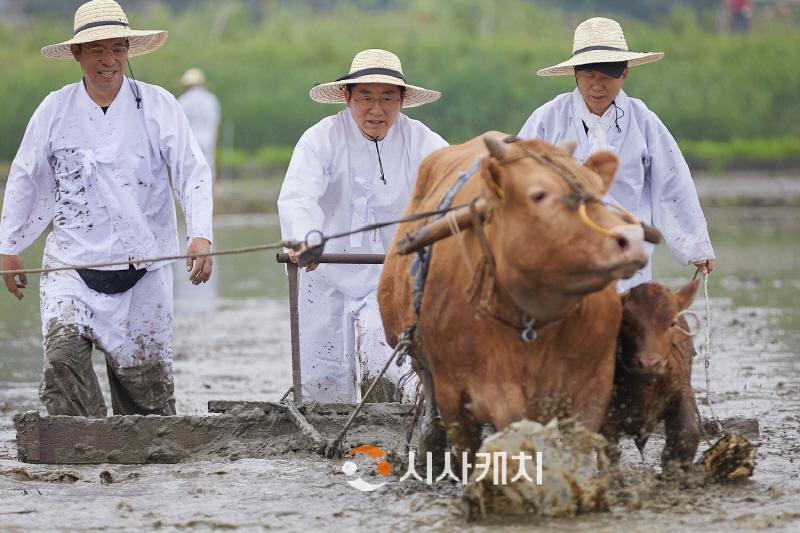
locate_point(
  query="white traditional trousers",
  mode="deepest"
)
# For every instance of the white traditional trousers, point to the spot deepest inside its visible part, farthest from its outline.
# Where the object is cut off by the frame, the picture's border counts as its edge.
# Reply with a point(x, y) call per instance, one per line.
point(134, 331)
point(343, 347)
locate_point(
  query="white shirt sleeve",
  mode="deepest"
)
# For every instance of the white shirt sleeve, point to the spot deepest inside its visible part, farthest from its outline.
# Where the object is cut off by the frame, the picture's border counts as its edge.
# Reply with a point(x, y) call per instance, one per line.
point(29, 198)
point(676, 208)
point(534, 127)
point(189, 170)
point(306, 180)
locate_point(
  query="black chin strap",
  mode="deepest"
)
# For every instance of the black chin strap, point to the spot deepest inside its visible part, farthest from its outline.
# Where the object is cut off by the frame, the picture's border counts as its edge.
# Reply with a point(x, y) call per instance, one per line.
point(135, 88)
point(618, 114)
point(377, 151)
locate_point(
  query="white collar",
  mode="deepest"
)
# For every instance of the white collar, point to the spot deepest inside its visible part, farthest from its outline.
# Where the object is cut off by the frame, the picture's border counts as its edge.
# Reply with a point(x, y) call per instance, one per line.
point(590, 119)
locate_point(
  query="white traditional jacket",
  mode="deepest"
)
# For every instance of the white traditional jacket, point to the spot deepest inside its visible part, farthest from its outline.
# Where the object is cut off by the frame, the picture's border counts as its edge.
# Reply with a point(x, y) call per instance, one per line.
point(653, 180)
point(103, 180)
point(333, 185)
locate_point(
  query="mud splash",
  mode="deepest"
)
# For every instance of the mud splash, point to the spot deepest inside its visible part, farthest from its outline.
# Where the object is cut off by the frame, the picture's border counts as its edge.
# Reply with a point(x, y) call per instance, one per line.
point(229, 354)
point(544, 470)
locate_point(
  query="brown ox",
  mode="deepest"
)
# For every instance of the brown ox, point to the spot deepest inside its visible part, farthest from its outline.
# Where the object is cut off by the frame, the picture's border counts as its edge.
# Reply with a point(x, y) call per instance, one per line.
point(549, 265)
point(653, 381)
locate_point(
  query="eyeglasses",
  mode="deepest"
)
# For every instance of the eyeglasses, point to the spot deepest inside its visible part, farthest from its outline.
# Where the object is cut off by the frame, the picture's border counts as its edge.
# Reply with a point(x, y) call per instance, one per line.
point(97, 52)
point(385, 102)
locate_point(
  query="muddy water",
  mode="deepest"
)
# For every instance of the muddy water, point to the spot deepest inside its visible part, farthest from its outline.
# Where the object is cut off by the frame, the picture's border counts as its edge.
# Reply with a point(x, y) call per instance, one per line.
point(231, 342)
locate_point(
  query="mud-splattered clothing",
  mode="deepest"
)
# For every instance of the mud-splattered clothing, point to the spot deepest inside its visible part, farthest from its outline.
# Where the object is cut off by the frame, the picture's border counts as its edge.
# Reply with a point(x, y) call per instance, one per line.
point(133, 330)
point(334, 184)
point(653, 180)
point(105, 181)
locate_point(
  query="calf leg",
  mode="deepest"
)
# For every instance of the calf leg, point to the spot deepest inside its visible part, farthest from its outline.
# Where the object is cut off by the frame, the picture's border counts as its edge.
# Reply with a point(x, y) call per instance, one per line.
point(612, 450)
point(683, 432)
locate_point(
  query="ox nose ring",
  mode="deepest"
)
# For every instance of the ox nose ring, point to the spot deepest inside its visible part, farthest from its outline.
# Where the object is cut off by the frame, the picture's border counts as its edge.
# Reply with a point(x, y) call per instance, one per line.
point(528, 332)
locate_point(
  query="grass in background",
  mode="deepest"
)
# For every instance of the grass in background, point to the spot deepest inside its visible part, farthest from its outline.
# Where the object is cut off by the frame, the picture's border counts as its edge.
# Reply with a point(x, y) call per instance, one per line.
point(482, 55)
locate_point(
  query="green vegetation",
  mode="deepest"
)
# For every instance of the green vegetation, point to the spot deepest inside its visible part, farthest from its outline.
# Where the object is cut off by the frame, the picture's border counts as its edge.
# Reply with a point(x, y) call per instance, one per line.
point(763, 153)
point(715, 156)
point(711, 90)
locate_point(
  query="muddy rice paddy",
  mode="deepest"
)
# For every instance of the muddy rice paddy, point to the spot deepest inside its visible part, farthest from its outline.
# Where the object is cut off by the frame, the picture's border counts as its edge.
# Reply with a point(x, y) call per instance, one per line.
point(232, 343)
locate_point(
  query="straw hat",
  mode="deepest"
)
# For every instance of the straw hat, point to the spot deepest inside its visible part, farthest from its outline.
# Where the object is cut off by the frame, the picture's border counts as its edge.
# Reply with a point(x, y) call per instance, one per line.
point(599, 40)
point(373, 66)
point(104, 19)
point(192, 77)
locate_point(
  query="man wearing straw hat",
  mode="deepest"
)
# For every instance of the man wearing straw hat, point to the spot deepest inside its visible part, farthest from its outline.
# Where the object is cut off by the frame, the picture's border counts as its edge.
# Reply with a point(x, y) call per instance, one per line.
point(96, 160)
point(653, 180)
point(352, 169)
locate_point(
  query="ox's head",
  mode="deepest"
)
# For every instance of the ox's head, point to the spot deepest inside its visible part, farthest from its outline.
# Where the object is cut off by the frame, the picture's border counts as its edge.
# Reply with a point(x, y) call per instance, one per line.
point(551, 233)
point(650, 324)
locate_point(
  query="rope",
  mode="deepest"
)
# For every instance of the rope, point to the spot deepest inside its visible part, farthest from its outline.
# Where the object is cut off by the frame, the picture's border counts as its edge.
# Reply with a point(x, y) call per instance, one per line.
point(277, 245)
point(452, 223)
point(286, 394)
point(233, 251)
point(697, 322)
point(599, 229)
point(707, 355)
point(404, 345)
point(379, 225)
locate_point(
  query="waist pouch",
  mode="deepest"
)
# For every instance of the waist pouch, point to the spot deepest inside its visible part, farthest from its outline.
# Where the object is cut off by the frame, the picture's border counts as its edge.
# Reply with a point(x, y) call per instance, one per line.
point(111, 281)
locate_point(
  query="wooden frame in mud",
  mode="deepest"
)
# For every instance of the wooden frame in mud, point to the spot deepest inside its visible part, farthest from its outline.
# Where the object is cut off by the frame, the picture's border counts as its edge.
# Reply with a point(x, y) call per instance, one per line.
point(294, 314)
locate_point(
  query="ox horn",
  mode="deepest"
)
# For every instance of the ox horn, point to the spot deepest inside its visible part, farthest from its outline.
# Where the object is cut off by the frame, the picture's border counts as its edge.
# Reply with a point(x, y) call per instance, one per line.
point(568, 146)
point(497, 148)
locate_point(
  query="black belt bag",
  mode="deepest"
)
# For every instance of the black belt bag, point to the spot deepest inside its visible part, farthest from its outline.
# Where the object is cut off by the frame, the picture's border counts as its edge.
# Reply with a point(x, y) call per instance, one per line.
point(111, 281)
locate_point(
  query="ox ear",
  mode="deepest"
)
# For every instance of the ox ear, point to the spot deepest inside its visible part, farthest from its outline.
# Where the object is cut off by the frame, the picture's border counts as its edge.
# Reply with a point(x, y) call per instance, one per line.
point(605, 165)
point(685, 296)
point(490, 172)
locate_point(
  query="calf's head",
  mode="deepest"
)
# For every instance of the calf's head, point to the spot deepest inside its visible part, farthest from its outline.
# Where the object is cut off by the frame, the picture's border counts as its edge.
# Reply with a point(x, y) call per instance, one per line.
point(650, 316)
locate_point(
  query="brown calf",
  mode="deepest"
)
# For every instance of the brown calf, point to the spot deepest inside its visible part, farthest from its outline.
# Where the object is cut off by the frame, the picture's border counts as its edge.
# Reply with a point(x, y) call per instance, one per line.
point(652, 381)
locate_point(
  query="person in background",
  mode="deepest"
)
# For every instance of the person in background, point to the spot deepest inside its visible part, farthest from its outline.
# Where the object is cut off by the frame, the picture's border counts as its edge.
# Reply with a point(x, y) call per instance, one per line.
point(653, 180)
point(351, 169)
point(203, 111)
point(739, 13)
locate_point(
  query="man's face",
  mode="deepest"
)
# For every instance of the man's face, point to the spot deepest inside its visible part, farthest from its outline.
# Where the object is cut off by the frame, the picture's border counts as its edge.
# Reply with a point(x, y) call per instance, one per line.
point(598, 90)
point(375, 107)
point(103, 64)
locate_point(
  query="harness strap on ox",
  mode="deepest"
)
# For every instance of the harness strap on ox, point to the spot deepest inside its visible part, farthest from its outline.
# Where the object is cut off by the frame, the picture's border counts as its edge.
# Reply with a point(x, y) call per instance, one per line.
point(420, 264)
